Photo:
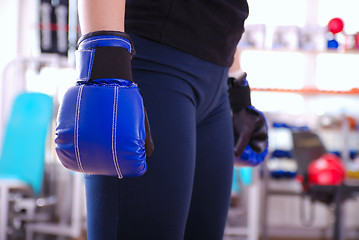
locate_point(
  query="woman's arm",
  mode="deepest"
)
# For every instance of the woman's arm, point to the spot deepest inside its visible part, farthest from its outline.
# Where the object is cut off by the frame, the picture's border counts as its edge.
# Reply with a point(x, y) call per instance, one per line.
point(97, 15)
point(235, 65)
point(235, 70)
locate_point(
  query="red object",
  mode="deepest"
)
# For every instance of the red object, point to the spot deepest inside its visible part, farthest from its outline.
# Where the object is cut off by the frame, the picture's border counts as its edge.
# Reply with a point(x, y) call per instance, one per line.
point(356, 40)
point(326, 170)
point(335, 25)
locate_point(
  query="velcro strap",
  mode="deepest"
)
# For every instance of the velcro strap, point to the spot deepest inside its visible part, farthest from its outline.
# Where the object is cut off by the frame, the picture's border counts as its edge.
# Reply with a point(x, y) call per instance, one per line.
point(102, 63)
point(239, 97)
point(106, 39)
point(84, 62)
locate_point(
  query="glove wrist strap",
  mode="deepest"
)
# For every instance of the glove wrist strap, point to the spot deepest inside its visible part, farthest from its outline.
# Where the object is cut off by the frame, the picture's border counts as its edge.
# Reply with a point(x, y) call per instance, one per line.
point(239, 94)
point(104, 55)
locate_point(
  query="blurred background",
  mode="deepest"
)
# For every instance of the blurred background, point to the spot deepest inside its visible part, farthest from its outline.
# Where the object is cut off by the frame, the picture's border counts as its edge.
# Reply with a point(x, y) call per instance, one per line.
point(301, 58)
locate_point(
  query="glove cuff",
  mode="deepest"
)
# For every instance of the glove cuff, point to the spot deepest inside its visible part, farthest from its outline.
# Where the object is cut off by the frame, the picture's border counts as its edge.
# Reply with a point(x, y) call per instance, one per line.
point(121, 35)
point(239, 94)
point(104, 55)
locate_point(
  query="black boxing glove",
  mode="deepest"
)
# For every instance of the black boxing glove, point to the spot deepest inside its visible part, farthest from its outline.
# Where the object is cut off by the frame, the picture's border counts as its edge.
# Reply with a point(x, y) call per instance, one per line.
point(249, 124)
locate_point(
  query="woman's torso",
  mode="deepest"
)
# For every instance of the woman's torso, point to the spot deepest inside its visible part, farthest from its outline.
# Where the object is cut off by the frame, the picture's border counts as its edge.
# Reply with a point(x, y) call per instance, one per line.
point(208, 29)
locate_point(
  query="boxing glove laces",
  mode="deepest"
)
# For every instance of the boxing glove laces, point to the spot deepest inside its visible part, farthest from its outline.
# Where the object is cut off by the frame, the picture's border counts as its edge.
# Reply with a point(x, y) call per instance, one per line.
point(102, 126)
point(249, 124)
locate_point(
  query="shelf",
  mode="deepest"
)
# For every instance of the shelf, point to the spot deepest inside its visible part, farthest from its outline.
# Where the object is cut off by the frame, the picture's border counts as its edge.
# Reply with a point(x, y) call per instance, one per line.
point(354, 91)
point(302, 51)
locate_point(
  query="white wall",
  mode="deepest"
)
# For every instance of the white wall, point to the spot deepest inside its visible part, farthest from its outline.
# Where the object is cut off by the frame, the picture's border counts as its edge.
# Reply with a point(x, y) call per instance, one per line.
point(19, 39)
point(9, 23)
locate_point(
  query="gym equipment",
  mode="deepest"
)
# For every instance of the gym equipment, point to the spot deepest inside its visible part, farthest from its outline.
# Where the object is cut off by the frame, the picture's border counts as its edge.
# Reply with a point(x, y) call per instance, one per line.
point(308, 147)
point(22, 157)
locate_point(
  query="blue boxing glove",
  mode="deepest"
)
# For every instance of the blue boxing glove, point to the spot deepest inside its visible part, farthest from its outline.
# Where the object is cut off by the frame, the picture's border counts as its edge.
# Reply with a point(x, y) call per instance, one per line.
point(102, 126)
point(249, 124)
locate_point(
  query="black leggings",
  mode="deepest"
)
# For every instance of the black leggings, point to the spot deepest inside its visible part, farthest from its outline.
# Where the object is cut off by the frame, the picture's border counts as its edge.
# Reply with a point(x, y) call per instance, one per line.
point(185, 192)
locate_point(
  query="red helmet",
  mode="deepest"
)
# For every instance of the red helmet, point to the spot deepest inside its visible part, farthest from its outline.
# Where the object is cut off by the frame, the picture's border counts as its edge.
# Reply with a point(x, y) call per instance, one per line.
point(326, 170)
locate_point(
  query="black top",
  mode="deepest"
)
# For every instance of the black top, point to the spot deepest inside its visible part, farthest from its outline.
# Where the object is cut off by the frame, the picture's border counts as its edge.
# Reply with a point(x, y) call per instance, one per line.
point(208, 29)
